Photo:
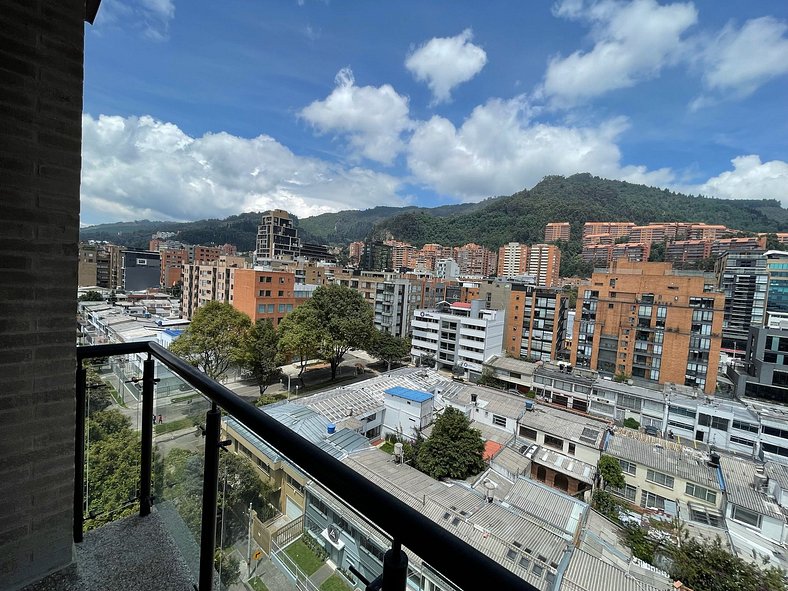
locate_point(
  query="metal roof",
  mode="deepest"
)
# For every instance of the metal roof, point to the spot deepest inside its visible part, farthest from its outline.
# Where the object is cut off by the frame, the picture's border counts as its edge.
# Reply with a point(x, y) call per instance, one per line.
point(409, 394)
point(549, 505)
point(664, 456)
point(565, 464)
point(739, 478)
point(588, 573)
point(567, 425)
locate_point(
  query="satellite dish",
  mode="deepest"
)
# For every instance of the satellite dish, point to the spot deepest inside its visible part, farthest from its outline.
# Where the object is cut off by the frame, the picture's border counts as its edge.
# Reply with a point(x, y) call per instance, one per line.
point(333, 533)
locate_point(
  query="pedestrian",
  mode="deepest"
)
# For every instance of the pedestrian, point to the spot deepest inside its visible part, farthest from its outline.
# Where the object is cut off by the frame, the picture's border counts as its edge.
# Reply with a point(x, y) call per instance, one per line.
point(161, 419)
point(154, 419)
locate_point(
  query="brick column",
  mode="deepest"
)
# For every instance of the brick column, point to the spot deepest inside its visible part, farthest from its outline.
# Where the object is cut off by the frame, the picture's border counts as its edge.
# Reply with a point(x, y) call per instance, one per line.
point(41, 61)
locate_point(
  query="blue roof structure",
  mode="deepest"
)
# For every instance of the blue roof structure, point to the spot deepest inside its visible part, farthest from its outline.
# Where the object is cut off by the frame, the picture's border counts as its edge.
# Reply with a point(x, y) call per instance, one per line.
point(173, 332)
point(408, 394)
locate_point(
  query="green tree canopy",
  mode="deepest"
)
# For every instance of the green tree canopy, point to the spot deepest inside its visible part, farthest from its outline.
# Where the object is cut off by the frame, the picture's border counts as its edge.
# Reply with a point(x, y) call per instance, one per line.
point(300, 333)
point(388, 347)
point(98, 396)
point(91, 296)
point(453, 449)
point(610, 469)
point(702, 564)
point(214, 340)
point(259, 354)
point(346, 321)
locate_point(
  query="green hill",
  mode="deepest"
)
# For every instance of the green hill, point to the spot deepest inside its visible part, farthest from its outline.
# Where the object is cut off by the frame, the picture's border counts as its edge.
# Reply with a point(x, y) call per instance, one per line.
point(520, 217)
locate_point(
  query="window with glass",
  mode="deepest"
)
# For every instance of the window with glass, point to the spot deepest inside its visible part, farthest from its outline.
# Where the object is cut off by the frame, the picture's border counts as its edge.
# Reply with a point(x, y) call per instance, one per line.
point(628, 467)
point(649, 499)
point(554, 442)
point(746, 516)
point(629, 492)
point(499, 421)
point(659, 478)
point(527, 433)
point(701, 493)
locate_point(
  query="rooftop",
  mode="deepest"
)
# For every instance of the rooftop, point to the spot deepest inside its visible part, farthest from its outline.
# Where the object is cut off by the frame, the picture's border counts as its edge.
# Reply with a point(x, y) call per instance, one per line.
point(664, 456)
point(409, 394)
point(739, 484)
point(570, 426)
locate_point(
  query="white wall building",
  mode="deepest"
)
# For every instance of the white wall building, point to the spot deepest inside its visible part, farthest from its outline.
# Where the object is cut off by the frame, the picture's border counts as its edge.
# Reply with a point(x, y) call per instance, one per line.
point(407, 411)
point(446, 269)
point(459, 334)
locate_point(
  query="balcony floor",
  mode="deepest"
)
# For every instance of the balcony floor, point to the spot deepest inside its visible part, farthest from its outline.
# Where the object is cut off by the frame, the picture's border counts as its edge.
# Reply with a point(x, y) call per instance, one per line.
point(133, 554)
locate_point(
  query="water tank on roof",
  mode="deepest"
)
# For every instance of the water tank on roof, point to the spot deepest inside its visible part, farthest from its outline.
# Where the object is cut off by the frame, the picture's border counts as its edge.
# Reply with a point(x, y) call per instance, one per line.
point(331, 428)
point(529, 405)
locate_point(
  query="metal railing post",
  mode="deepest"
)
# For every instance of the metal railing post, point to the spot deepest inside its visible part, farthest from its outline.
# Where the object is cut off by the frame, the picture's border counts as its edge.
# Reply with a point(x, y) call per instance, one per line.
point(146, 461)
point(210, 488)
point(79, 454)
point(395, 568)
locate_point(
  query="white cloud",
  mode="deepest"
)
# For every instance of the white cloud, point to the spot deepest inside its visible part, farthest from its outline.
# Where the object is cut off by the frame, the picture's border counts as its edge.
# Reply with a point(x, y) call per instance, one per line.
point(633, 42)
point(150, 17)
point(739, 61)
point(445, 62)
point(372, 117)
point(498, 151)
point(749, 179)
point(138, 167)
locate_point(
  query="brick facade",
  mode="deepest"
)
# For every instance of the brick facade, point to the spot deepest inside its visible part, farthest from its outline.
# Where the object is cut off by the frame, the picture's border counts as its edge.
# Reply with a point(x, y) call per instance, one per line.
point(41, 68)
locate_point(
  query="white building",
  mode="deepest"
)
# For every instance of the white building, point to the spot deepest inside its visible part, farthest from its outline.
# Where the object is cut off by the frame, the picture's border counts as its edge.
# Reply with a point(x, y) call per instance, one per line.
point(407, 411)
point(446, 269)
point(459, 334)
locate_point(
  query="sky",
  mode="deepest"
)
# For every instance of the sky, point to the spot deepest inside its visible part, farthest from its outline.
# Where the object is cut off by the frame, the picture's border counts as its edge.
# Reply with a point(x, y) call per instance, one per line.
point(196, 109)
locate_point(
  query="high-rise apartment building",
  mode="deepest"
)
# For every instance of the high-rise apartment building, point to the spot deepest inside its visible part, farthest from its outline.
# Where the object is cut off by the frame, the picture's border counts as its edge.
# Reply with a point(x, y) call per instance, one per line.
point(87, 274)
point(544, 263)
point(277, 238)
point(512, 259)
point(265, 295)
point(649, 322)
point(395, 300)
point(777, 267)
point(172, 261)
point(535, 323)
point(744, 279)
point(355, 250)
point(555, 231)
point(376, 256)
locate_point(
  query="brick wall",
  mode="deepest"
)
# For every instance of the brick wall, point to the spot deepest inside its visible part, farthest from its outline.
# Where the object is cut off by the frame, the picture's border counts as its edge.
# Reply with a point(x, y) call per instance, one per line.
point(41, 61)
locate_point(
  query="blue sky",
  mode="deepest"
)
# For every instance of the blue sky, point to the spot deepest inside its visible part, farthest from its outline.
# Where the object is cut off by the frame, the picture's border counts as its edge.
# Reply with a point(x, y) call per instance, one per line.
point(207, 109)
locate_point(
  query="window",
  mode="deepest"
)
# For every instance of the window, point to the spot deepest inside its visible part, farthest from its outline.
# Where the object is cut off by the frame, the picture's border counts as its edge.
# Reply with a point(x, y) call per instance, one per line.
point(628, 467)
point(742, 441)
point(659, 478)
point(499, 421)
point(702, 515)
point(554, 442)
point(649, 499)
point(629, 492)
point(782, 433)
point(701, 493)
point(745, 516)
point(527, 433)
point(571, 449)
point(680, 410)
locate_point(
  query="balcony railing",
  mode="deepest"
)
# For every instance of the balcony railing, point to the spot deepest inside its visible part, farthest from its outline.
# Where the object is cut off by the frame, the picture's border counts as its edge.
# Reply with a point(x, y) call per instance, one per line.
point(410, 531)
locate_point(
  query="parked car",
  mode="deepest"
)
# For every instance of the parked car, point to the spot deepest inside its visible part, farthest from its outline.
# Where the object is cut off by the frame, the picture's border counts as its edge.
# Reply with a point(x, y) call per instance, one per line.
point(652, 430)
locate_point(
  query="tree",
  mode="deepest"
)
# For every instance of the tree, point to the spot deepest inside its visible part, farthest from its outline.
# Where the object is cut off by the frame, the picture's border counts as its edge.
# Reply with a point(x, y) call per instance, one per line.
point(259, 354)
point(98, 396)
point(610, 470)
point(454, 449)
point(229, 566)
point(299, 335)
point(388, 347)
point(631, 423)
point(621, 377)
point(488, 379)
point(213, 341)
point(91, 296)
point(703, 564)
point(346, 320)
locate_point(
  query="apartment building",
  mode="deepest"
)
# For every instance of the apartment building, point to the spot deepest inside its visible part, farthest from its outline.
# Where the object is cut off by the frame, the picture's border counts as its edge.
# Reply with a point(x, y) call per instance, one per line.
point(203, 255)
point(87, 270)
point(402, 254)
point(172, 261)
point(535, 323)
point(461, 335)
point(723, 245)
point(277, 238)
point(627, 316)
point(263, 294)
point(615, 229)
point(141, 270)
point(555, 231)
point(447, 269)
point(744, 279)
point(777, 268)
point(377, 256)
point(206, 283)
point(667, 478)
point(688, 251)
point(476, 261)
point(395, 300)
point(355, 250)
point(600, 255)
point(764, 371)
point(631, 251)
point(512, 259)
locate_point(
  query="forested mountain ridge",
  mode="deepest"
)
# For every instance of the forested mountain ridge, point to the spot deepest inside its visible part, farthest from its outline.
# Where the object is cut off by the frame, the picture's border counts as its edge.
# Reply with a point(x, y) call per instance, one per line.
point(520, 217)
point(577, 199)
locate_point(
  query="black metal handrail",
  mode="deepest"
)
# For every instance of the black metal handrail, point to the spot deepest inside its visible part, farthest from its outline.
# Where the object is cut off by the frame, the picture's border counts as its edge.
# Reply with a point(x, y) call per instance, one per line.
point(462, 564)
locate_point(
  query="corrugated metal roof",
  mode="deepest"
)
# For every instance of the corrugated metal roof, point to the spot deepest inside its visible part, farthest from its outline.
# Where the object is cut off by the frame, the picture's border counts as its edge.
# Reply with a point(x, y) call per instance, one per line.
point(549, 505)
point(664, 456)
point(570, 426)
point(587, 573)
point(739, 485)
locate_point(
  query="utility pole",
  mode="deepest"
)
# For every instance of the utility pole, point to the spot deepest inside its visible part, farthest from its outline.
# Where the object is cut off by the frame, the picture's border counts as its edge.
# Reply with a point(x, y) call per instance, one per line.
point(249, 542)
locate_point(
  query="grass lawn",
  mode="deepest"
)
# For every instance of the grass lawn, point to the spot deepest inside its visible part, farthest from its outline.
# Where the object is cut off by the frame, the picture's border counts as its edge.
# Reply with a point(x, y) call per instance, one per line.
point(334, 583)
point(183, 423)
point(184, 398)
point(114, 393)
point(306, 560)
point(388, 447)
point(257, 584)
